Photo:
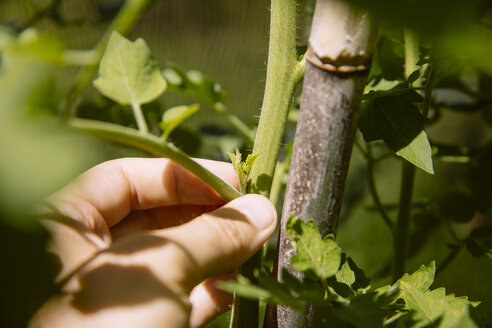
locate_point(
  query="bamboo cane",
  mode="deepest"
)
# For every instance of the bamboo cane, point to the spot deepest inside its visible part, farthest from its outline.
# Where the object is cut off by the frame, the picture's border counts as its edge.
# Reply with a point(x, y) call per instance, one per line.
point(340, 50)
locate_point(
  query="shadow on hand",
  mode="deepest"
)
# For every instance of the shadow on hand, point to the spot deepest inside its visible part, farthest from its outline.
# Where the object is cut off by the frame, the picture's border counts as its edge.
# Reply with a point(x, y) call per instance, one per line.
point(136, 243)
point(112, 285)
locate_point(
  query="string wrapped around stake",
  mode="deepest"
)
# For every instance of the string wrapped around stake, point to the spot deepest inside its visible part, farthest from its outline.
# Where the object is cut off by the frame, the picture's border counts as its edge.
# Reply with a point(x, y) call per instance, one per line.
point(342, 37)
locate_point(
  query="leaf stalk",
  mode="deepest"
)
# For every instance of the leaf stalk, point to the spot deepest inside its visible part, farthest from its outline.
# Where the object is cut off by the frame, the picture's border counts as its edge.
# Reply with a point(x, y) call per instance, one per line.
point(153, 145)
point(139, 118)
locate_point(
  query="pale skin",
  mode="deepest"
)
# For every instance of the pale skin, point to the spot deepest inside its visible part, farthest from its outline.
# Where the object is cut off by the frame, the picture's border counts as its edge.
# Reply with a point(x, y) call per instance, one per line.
point(139, 241)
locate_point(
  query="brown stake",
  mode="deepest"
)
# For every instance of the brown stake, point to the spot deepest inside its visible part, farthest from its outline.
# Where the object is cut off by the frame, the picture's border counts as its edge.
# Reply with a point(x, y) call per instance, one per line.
point(340, 48)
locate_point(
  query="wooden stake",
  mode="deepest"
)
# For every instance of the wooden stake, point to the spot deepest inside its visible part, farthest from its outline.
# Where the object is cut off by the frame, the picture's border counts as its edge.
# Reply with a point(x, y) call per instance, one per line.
point(340, 49)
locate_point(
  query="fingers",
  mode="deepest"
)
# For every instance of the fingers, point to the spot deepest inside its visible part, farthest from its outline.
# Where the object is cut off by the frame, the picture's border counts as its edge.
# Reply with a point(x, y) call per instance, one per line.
point(208, 301)
point(163, 266)
point(158, 218)
point(217, 242)
point(104, 195)
point(208, 246)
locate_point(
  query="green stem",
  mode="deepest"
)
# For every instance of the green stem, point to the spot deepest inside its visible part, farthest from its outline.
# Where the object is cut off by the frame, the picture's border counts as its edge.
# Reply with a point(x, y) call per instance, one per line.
point(326, 288)
point(374, 191)
point(139, 118)
point(429, 86)
point(80, 57)
point(389, 321)
point(284, 72)
point(412, 54)
point(123, 22)
point(402, 230)
point(153, 145)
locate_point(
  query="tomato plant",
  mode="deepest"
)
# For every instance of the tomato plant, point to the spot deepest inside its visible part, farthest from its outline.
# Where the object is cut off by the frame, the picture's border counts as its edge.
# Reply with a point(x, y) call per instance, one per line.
point(423, 87)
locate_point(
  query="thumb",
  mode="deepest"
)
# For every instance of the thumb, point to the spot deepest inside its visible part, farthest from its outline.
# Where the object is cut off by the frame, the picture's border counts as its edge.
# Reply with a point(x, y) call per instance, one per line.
point(217, 242)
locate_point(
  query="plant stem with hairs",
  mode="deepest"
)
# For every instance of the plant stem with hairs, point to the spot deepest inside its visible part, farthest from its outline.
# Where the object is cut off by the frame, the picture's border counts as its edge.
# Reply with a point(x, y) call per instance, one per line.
point(153, 145)
point(283, 75)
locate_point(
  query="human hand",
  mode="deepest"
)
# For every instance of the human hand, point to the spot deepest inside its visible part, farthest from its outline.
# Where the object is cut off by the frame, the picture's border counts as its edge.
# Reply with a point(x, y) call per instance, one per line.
point(142, 238)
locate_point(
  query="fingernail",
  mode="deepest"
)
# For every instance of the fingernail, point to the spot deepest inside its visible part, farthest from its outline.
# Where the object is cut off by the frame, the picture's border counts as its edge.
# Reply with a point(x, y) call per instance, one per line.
point(259, 210)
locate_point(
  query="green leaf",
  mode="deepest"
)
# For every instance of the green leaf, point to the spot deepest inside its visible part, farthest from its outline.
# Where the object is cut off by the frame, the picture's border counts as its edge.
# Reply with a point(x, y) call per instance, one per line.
point(419, 153)
point(361, 281)
point(436, 309)
point(320, 256)
point(391, 116)
point(421, 279)
point(270, 291)
point(388, 61)
point(280, 293)
point(242, 168)
point(345, 274)
point(291, 281)
point(308, 290)
point(243, 287)
point(427, 307)
point(174, 116)
point(363, 311)
point(349, 279)
point(457, 314)
point(382, 85)
point(194, 83)
point(128, 74)
point(248, 164)
point(413, 77)
point(236, 160)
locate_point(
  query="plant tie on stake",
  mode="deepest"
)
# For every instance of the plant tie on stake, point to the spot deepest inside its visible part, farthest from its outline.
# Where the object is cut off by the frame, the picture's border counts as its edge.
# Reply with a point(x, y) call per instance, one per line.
point(348, 45)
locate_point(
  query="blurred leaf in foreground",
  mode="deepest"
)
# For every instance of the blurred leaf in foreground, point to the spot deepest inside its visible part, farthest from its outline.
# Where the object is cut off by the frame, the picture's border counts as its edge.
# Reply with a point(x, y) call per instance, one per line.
point(38, 156)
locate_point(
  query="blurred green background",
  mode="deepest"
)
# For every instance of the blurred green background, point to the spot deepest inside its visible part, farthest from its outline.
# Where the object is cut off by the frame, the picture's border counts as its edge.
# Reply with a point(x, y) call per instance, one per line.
point(228, 40)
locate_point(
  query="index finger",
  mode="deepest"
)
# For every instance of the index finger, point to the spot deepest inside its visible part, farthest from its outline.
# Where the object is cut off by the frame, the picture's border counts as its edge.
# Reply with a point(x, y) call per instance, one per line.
point(109, 191)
